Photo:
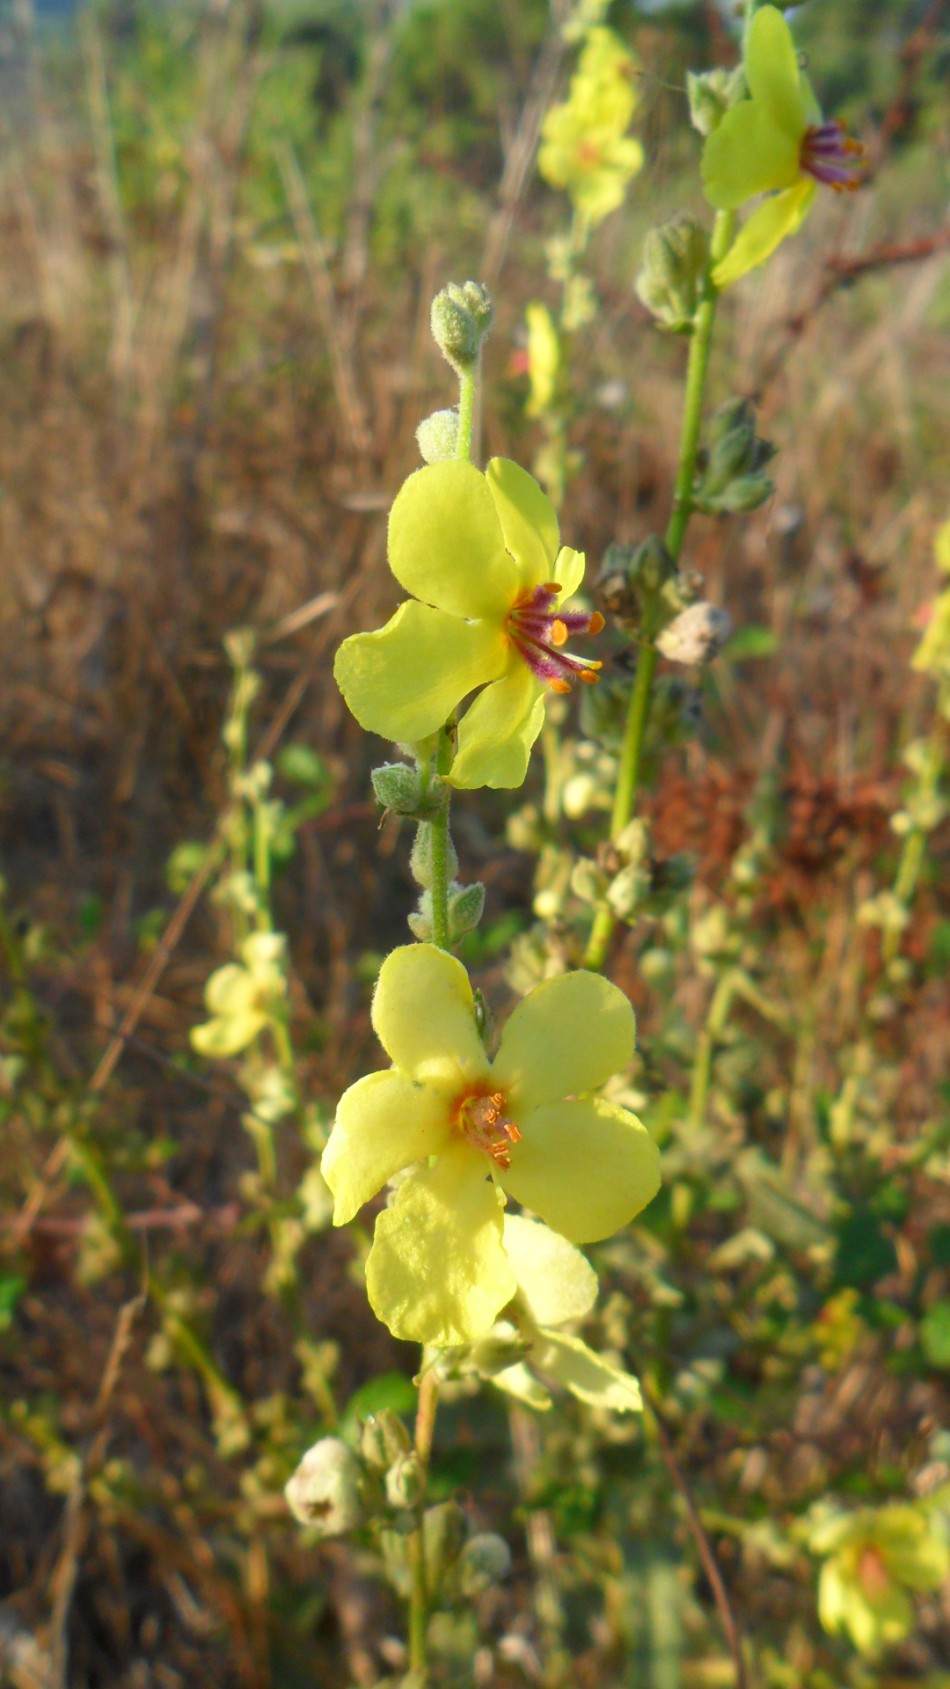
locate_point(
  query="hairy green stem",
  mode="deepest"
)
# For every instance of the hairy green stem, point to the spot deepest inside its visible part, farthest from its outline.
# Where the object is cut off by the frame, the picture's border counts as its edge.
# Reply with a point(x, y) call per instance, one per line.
point(468, 382)
point(631, 752)
point(419, 1587)
point(439, 831)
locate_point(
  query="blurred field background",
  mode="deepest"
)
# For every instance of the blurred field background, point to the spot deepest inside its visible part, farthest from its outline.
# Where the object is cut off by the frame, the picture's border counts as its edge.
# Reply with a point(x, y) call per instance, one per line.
point(220, 232)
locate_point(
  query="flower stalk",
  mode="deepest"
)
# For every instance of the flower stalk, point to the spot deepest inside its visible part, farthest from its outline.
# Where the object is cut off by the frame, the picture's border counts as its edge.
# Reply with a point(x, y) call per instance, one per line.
point(638, 715)
point(419, 1588)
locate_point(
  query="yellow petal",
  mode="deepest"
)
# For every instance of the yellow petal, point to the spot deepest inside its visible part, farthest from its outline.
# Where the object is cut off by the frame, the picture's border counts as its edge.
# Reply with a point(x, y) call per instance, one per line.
point(586, 1167)
point(554, 1279)
point(569, 571)
point(528, 520)
point(446, 544)
point(589, 1376)
point(496, 734)
point(746, 154)
point(771, 70)
point(404, 680)
point(769, 225)
point(383, 1124)
point(566, 1037)
point(230, 990)
point(437, 1272)
point(228, 1034)
point(517, 1381)
point(424, 1016)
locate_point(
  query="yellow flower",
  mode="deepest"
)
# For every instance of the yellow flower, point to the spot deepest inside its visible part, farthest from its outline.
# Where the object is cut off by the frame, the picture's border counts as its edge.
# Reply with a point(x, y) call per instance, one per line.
point(483, 554)
point(874, 1557)
point(471, 1130)
point(775, 142)
point(584, 146)
point(243, 996)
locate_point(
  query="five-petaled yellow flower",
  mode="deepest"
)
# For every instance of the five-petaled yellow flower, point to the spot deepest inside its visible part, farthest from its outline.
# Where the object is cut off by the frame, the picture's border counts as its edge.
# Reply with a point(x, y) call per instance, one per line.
point(471, 1130)
point(585, 148)
point(482, 554)
point(875, 1557)
point(775, 142)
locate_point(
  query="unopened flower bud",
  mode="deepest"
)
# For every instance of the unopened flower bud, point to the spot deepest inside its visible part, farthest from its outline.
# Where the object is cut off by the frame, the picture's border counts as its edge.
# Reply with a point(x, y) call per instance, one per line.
point(696, 635)
point(438, 436)
point(711, 94)
point(383, 1439)
point(420, 862)
point(461, 317)
point(420, 921)
point(405, 1482)
point(400, 789)
point(443, 1529)
point(588, 882)
point(615, 586)
point(466, 904)
point(627, 891)
point(485, 1559)
point(670, 284)
point(324, 1492)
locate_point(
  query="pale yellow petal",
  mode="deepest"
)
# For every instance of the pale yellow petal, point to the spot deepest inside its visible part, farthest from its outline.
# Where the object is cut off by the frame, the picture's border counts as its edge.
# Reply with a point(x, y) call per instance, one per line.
point(424, 1016)
point(497, 732)
point(772, 71)
point(588, 1376)
point(446, 544)
point(528, 520)
point(437, 1272)
point(568, 1036)
point(404, 680)
point(770, 223)
point(586, 1167)
point(554, 1279)
point(383, 1124)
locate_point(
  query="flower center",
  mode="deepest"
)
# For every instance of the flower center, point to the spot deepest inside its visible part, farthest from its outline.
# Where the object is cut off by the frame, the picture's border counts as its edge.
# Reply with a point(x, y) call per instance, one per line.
point(538, 634)
point(872, 1572)
point(481, 1117)
point(831, 155)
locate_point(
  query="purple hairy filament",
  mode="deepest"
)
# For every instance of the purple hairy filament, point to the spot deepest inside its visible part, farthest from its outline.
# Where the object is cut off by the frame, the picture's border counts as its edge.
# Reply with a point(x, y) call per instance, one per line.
point(538, 633)
point(833, 157)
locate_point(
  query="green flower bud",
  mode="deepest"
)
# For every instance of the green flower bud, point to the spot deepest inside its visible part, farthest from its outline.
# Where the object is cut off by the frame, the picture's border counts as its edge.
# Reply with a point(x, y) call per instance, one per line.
point(383, 1439)
point(746, 493)
point(400, 789)
point(627, 891)
point(615, 587)
point(405, 1482)
point(711, 94)
point(420, 922)
point(652, 563)
point(420, 862)
point(670, 284)
point(588, 882)
point(444, 1530)
point(324, 1492)
point(438, 436)
point(461, 317)
point(466, 904)
point(696, 635)
point(485, 1559)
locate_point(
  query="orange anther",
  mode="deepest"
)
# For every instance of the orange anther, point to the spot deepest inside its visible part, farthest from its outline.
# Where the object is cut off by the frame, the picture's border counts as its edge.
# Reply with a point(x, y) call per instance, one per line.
point(596, 623)
point(558, 632)
point(562, 685)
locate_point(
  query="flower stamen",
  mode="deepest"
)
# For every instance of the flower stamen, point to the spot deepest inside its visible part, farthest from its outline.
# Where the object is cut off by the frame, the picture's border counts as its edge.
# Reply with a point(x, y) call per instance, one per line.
point(482, 1118)
point(833, 157)
point(538, 634)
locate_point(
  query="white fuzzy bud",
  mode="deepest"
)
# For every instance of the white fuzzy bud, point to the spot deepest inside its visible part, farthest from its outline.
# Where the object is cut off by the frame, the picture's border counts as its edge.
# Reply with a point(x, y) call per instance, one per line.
point(696, 635)
point(324, 1492)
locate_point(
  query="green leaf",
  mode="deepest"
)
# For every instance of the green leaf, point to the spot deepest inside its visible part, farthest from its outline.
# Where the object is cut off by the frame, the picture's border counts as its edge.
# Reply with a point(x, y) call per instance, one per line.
point(390, 1390)
point(752, 641)
point(935, 1335)
point(864, 1254)
point(12, 1286)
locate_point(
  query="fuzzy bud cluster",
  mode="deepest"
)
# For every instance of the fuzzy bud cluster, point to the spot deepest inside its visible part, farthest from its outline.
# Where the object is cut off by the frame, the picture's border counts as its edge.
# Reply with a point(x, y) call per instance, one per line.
point(732, 478)
point(671, 281)
point(696, 635)
point(404, 790)
point(711, 94)
point(461, 318)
